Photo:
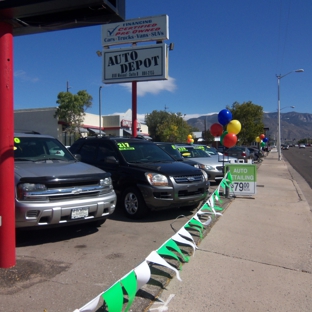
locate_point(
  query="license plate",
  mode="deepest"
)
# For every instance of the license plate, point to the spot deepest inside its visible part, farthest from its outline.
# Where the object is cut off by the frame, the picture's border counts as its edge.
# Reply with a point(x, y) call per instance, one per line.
point(77, 213)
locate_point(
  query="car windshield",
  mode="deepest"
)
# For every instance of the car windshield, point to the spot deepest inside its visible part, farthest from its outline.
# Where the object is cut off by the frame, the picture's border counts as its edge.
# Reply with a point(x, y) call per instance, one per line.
point(172, 150)
point(137, 152)
point(40, 149)
point(190, 152)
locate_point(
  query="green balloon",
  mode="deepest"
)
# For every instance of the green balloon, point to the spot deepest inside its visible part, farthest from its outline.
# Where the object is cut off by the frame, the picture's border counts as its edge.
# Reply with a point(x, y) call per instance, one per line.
point(222, 136)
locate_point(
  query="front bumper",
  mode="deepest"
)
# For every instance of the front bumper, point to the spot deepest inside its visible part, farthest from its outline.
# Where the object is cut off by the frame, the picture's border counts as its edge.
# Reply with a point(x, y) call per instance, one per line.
point(31, 214)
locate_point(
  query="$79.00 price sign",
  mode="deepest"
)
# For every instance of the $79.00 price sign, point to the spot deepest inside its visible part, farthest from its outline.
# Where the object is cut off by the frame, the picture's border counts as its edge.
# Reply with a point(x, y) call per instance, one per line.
point(244, 179)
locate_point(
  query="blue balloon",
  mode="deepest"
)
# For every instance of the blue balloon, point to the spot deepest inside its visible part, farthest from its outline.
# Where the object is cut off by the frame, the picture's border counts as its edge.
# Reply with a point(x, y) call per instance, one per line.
point(265, 140)
point(224, 117)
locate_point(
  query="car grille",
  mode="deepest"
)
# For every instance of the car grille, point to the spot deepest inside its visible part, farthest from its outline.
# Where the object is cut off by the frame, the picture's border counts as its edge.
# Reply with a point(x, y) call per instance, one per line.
point(69, 188)
point(188, 179)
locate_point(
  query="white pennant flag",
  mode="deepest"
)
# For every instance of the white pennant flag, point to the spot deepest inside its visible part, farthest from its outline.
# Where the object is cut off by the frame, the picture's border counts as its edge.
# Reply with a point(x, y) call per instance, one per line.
point(143, 274)
point(156, 258)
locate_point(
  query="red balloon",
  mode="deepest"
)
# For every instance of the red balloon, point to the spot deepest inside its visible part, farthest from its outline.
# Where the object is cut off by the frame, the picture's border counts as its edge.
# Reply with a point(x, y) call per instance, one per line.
point(229, 140)
point(216, 129)
point(262, 136)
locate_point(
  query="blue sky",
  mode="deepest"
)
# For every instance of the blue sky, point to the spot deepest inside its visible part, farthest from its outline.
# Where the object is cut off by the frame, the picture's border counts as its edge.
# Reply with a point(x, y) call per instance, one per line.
point(224, 51)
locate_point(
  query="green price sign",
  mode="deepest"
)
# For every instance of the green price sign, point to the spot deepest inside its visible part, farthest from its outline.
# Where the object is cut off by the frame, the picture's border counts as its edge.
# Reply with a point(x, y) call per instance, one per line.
point(244, 178)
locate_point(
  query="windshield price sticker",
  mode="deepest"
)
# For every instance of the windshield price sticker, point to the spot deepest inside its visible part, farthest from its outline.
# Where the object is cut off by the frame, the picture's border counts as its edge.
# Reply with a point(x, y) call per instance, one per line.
point(125, 147)
point(183, 149)
point(244, 179)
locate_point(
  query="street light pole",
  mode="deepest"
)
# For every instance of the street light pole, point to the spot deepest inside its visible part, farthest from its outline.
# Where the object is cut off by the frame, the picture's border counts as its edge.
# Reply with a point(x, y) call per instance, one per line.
point(100, 110)
point(279, 77)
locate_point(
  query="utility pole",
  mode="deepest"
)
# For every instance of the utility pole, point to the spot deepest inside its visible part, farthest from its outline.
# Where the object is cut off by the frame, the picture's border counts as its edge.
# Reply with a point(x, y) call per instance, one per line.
point(67, 86)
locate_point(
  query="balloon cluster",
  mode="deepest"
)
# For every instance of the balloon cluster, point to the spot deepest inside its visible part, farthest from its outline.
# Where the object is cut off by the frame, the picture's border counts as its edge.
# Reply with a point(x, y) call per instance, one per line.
point(228, 137)
point(261, 139)
point(190, 139)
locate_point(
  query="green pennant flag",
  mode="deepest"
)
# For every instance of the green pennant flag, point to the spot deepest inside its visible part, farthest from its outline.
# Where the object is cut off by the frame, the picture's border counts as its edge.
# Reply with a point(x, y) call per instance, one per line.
point(222, 184)
point(113, 298)
point(193, 227)
point(217, 195)
point(196, 223)
point(207, 207)
point(163, 250)
point(229, 177)
point(130, 285)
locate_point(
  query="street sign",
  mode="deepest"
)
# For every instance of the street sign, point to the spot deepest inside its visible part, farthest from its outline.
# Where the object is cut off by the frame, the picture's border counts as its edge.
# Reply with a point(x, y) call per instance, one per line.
point(142, 63)
point(152, 28)
point(244, 179)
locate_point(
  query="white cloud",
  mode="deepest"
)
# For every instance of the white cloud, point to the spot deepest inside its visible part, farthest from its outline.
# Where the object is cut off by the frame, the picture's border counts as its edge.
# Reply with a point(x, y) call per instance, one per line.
point(153, 87)
point(23, 76)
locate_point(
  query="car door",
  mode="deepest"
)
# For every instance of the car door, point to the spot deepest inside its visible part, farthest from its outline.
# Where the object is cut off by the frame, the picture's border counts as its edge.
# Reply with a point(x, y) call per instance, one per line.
point(108, 160)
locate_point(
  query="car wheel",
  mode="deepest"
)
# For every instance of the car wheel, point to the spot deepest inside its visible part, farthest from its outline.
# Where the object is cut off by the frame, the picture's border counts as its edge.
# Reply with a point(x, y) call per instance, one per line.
point(133, 204)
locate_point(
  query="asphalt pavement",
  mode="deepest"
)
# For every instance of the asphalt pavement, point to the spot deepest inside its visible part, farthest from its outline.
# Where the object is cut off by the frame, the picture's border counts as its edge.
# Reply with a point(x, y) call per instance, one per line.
point(256, 257)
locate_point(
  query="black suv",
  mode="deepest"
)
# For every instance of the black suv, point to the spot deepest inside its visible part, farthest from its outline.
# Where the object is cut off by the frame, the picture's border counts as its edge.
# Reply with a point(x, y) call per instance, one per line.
point(144, 176)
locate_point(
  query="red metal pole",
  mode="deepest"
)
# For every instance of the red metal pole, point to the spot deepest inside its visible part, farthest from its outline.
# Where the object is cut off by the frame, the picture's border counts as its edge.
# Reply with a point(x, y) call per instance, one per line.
point(134, 110)
point(7, 206)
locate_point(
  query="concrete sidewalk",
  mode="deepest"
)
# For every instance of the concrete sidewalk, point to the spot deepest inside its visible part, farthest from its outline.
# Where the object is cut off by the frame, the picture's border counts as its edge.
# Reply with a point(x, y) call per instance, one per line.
point(257, 257)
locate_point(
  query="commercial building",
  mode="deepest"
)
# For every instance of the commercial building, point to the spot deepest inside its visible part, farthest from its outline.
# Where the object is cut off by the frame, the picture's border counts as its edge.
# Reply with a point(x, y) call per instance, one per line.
point(42, 120)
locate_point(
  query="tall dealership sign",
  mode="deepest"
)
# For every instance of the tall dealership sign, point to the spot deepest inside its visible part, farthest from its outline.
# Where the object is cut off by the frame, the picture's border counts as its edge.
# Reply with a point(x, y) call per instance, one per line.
point(135, 63)
point(153, 28)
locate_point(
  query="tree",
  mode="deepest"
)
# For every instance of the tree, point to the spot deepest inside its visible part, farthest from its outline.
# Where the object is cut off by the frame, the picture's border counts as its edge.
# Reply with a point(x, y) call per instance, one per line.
point(72, 109)
point(250, 116)
point(167, 127)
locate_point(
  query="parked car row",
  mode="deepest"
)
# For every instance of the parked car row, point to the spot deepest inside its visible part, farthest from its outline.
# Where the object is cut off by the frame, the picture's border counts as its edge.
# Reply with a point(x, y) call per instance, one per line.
point(58, 186)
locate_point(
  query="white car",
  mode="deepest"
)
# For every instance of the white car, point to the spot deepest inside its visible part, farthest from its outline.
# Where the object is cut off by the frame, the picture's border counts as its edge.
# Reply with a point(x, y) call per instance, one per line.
point(301, 146)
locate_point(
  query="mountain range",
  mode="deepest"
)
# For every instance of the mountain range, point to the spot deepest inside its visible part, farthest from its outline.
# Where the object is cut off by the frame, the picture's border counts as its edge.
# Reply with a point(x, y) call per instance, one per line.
point(294, 126)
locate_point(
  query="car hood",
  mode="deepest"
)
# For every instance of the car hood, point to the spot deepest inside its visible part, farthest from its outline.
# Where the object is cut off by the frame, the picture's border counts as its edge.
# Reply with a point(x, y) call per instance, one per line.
point(170, 168)
point(40, 169)
point(213, 161)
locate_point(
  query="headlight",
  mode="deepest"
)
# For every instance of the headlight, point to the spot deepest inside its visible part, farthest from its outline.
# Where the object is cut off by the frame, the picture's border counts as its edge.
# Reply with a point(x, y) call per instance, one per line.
point(206, 167)
point(205, 175)
point(31, 192)
point(196, 166)
point(156, 179)
point(107, 183)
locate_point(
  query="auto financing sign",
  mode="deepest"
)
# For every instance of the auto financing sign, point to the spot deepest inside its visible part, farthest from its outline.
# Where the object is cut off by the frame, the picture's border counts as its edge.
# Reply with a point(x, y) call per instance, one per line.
point(149, 62)
point(244, 178)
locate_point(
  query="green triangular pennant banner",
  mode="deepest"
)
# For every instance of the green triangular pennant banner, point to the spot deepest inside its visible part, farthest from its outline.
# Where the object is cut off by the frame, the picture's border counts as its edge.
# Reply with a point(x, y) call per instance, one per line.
point(114, 298)
point(130, 285)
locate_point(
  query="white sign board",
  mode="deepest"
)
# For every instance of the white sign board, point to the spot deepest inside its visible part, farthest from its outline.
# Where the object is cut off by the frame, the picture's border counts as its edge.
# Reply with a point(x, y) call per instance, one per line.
point(135, 64)
point(153, 28)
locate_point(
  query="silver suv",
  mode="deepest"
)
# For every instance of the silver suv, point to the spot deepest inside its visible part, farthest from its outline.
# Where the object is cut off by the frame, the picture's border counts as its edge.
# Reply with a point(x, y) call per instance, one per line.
point(52, 188)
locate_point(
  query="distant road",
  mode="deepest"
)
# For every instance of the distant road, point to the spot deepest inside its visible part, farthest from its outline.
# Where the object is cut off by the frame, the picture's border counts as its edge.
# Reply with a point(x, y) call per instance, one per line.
point(300, 159)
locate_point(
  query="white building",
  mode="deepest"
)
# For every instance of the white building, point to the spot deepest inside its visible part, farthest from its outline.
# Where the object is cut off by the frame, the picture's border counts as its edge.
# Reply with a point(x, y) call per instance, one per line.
point(42, 120)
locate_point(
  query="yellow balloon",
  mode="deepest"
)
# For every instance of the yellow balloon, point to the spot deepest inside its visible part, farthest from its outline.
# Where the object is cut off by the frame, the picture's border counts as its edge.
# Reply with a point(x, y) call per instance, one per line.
point(189, 136)
point(258, 139)
point(234, 126)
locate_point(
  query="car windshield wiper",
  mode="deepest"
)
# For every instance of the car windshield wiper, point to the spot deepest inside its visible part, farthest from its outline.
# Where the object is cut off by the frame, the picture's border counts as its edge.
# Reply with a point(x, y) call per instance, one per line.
point(50, 158)
point(23, 159)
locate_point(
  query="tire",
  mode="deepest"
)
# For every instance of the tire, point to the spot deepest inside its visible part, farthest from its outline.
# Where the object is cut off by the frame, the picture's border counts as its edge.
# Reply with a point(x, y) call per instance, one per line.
point(133, 204)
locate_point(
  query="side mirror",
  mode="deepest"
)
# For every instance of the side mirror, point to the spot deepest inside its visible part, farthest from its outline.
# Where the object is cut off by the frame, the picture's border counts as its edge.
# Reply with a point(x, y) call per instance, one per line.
point(77, 157)
point(111, 160)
